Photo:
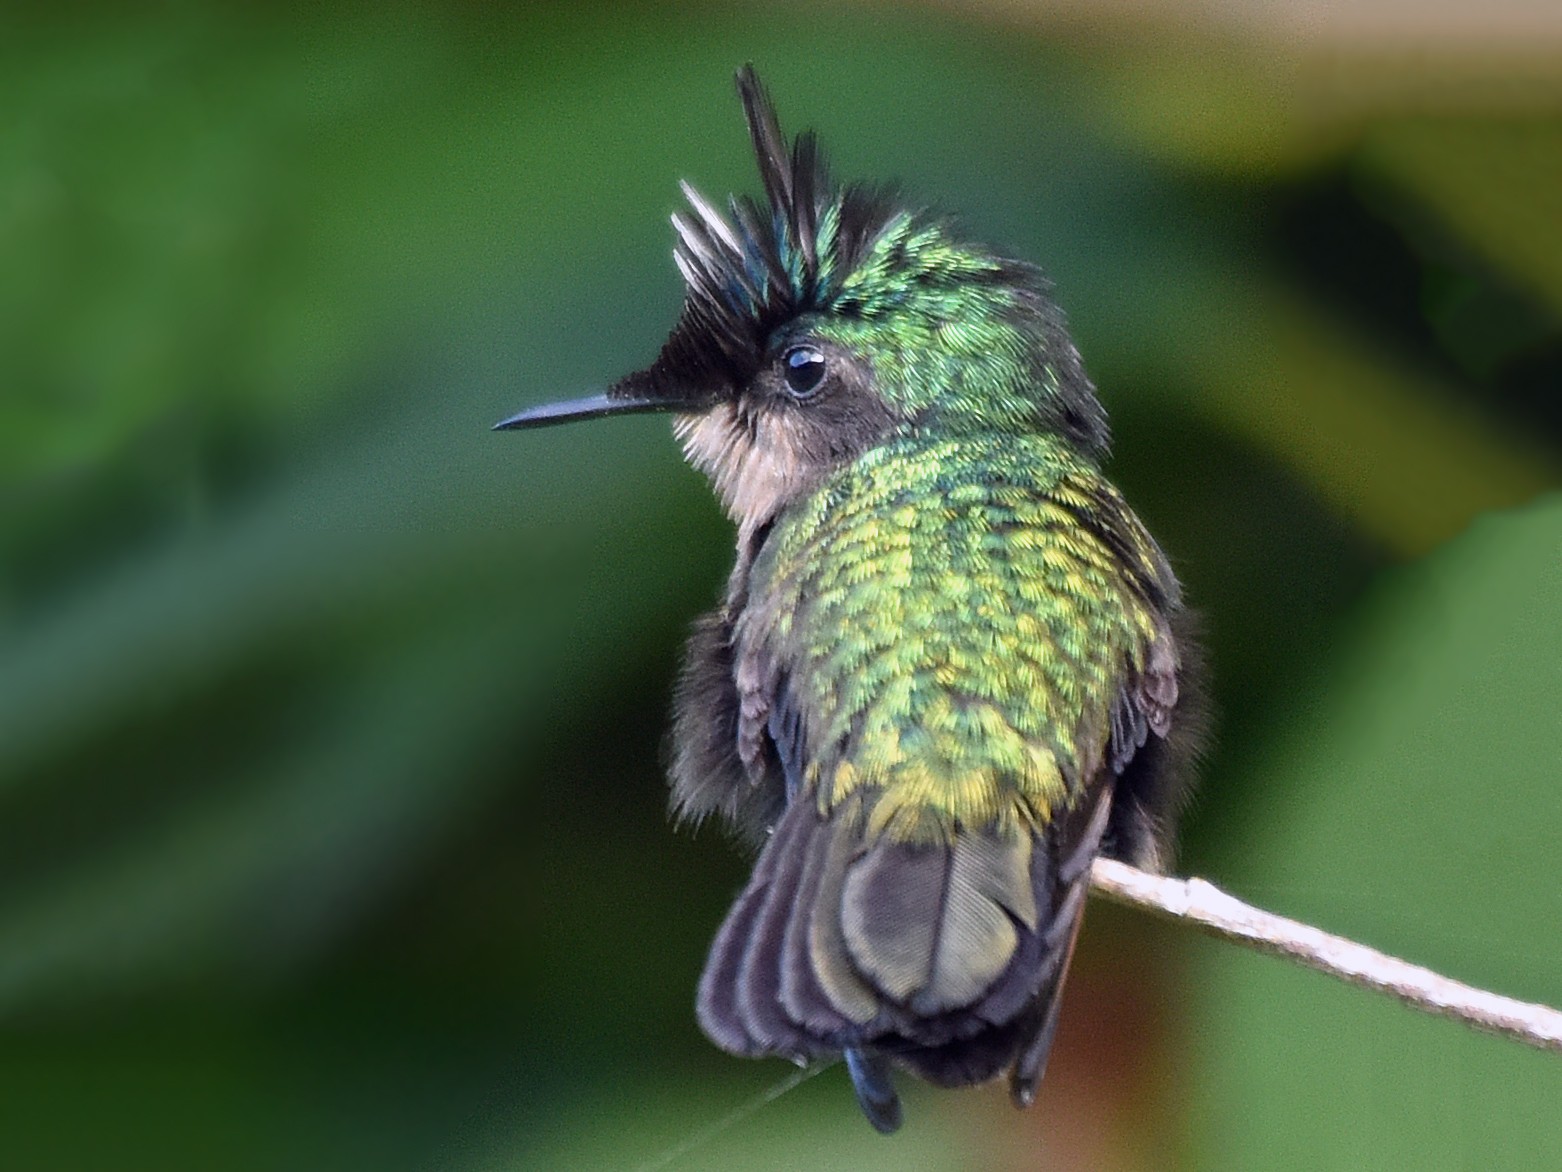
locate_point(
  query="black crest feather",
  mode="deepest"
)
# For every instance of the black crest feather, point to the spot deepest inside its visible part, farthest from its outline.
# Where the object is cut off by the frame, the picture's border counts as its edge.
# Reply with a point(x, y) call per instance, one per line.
point(761, 264)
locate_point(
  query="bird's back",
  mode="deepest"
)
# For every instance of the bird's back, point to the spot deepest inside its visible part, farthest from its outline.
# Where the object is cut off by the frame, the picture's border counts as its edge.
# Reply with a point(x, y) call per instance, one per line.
point(941, 650)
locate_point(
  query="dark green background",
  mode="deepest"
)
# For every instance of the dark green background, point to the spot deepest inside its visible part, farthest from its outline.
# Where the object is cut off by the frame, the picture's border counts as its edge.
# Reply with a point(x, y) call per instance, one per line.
point(331, 822)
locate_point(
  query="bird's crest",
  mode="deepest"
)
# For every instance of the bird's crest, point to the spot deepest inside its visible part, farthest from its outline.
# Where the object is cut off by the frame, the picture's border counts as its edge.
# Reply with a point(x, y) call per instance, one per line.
point(764, 262)
point(946, 322)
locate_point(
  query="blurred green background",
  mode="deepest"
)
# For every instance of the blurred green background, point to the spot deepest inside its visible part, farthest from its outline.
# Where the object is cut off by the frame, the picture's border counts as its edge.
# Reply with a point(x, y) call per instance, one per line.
point(331, 817)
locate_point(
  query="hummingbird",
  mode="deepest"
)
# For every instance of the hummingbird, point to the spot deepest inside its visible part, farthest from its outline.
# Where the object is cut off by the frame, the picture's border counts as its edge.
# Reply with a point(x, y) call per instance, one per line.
point(950, 666)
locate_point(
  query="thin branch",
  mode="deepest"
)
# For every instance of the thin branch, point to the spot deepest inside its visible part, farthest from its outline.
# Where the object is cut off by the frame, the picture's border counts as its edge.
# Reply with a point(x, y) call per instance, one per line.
point(1207, 907)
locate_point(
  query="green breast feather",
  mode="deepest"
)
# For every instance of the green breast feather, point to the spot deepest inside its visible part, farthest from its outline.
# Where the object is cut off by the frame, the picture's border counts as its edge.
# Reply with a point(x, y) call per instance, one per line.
point(956, 619)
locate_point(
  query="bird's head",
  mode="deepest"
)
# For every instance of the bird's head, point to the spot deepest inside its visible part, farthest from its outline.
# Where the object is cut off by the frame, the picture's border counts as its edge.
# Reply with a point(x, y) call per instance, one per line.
point(824, 319)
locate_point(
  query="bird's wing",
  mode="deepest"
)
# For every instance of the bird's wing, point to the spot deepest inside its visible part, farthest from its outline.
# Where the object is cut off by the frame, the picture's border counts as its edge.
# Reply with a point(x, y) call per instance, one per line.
point(708, 772)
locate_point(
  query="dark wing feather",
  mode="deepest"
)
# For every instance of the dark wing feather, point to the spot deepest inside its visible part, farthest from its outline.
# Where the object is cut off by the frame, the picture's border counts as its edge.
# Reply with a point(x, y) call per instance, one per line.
point(708, 774)
point(784, 724)
point(1159, 725)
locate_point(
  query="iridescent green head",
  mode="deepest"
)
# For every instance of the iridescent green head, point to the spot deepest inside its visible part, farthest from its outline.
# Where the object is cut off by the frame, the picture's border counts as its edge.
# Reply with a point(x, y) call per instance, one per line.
point(824, 319)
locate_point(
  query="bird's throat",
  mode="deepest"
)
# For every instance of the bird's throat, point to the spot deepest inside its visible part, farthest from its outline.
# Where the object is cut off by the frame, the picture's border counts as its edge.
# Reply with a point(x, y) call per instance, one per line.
point(755, 464)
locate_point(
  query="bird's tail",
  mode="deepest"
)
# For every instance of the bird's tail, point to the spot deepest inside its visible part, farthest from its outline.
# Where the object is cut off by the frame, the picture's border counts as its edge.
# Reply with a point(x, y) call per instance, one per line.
point(946, 957)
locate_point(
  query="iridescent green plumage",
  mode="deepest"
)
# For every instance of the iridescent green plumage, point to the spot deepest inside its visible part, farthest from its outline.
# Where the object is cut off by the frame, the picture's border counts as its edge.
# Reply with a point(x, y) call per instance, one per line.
point(955, 635)
point(945, 671)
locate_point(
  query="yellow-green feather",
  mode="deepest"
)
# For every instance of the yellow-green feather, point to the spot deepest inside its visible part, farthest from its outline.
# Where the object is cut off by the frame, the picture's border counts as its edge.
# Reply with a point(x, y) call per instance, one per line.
point(954, 633)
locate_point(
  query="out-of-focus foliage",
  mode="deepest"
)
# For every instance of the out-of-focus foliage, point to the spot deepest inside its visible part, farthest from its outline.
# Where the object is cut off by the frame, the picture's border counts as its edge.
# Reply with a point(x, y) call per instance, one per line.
point(330, 812)
point(1417, 808)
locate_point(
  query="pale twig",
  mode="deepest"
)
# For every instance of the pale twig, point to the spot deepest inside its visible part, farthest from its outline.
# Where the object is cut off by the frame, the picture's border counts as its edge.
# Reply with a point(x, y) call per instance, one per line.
point(1196, 902)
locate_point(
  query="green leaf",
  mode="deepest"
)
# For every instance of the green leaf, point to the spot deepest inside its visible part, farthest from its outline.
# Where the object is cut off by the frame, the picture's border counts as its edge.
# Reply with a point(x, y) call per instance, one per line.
point(1412, 805)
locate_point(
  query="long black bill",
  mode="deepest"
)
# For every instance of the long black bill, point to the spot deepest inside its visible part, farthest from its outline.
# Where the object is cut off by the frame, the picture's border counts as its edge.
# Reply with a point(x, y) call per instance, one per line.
point(591, 407)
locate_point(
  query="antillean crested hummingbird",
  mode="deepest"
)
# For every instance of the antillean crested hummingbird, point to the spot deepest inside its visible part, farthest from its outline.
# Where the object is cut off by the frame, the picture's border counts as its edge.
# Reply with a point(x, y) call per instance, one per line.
point(950, 659)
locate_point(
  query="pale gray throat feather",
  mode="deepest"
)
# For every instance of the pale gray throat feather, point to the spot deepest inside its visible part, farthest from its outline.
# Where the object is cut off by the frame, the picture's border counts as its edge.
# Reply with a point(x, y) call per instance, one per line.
point(755, 466)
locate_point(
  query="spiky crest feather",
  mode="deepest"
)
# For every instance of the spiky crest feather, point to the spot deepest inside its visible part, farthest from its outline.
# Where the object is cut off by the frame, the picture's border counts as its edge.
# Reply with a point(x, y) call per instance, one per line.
point(765, 263)
point(883, 272)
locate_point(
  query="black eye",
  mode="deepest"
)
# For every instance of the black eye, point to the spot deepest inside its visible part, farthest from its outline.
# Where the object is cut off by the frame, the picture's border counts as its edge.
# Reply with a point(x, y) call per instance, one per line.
point(804, 371)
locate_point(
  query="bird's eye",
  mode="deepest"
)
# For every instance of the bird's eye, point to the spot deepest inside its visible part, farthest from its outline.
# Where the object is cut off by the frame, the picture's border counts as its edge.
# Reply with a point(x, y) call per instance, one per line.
point(804, 371)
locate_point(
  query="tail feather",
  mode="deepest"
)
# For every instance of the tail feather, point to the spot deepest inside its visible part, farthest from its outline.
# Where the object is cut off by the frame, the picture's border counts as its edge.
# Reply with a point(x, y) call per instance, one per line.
point(946, 958)
point(825, 961)
point(717, 1003)
point(832, 1017)
point(1035, 1046)
point(921, 924)
point(1073, 885)
point(759, 1002)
